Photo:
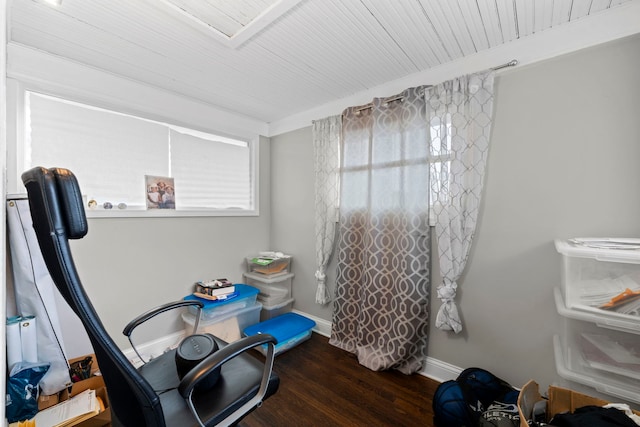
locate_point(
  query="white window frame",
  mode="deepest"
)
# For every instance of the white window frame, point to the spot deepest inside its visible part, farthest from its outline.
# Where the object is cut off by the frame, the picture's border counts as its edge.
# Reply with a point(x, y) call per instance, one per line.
point(16, 137)
point(444, 158)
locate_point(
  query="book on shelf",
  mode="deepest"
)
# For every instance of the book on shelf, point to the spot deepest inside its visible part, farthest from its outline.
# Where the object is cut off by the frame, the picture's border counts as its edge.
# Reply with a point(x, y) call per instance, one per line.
point(216, 298)
point(214, 289)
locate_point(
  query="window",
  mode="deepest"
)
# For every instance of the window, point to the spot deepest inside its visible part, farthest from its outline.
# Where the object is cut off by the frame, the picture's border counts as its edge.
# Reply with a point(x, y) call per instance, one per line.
point(111, 153)
point(393, 166)
point(385, 157)
point(440, 156)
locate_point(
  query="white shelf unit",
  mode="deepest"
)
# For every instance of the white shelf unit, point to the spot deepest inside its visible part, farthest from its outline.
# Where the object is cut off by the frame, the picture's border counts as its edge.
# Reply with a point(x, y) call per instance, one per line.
point(598, 348)
point(578, 360)
point(275, 292)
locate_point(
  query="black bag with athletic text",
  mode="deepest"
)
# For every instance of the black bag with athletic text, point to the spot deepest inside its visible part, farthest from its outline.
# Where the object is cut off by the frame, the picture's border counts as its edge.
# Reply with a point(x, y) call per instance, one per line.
point(461, 402)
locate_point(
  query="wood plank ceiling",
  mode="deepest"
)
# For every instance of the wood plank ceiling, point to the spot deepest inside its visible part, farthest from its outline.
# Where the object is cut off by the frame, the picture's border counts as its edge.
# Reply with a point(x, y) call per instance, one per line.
point(315, 52)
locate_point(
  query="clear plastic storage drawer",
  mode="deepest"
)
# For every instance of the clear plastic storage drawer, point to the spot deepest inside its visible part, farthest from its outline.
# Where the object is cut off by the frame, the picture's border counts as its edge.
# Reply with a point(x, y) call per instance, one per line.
point(607, 360)
point(245, 297)
point(268, 266)
point(227, 326)
point(273, 290)
point(601, 277)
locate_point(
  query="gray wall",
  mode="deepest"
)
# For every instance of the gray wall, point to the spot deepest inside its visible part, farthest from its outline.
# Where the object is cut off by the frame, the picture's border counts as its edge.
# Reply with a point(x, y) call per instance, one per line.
point(564, 162)
point(292, 215)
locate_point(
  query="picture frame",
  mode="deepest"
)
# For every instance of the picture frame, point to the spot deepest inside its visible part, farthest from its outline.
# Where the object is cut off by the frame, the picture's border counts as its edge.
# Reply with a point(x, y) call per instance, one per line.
point(159, 192)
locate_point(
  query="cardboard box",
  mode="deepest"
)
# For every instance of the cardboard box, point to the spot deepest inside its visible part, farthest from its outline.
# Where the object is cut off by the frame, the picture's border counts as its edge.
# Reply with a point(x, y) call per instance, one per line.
point(95, 382)
point(94, 366)
point(560, 400)
point(47, 400)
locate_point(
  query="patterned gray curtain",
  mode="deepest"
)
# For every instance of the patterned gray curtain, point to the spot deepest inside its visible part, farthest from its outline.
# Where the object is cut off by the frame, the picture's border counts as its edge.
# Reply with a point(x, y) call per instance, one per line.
point(381, 301)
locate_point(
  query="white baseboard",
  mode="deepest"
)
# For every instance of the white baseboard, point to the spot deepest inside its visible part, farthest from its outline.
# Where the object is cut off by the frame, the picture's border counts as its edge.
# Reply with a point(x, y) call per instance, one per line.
point(157, 347)
point(433, 368)
point(323, 327)
point(439, 370)
point(153, 348)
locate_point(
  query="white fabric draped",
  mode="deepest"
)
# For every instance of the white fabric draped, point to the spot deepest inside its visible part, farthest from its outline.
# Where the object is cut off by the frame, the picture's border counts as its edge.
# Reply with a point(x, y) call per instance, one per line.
point(35, 295)
point(326, 150)
point(460, 113)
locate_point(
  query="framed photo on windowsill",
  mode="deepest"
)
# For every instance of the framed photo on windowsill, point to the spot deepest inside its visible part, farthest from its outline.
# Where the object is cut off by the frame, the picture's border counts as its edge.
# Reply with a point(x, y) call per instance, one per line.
point(160, 192)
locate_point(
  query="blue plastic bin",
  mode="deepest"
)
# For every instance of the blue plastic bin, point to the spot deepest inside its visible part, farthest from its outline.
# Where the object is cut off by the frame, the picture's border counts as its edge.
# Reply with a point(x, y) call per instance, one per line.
point(290, 329)
point(246, 297)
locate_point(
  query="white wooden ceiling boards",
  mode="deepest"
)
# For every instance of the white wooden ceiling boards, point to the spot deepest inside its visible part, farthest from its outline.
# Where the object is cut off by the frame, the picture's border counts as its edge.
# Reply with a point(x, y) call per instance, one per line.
point(270, 60)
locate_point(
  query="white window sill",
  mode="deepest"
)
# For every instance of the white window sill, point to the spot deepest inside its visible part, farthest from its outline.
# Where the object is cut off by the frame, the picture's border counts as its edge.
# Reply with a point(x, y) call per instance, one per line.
point(166, 213)
point(140, 212)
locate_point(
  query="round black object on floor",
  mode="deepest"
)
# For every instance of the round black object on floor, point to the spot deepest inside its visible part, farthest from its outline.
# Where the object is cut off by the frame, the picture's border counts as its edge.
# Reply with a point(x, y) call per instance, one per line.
point(193, 350)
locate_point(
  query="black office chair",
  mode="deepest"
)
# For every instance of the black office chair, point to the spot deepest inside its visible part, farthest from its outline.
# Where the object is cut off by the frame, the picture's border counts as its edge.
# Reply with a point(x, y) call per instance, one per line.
point(153, 394)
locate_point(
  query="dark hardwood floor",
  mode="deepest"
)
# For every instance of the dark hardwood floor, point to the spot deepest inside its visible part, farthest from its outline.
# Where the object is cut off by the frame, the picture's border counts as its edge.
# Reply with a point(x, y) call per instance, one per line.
point(321, 385)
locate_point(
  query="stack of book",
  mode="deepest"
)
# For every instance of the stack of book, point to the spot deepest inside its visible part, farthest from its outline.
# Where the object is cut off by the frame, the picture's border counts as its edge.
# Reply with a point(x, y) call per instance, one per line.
point(218, 289)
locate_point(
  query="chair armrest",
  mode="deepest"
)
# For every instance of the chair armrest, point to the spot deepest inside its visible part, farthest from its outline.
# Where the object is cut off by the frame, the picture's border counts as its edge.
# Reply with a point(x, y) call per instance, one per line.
point(128, 330)
point(217, 359)
point(158, 310)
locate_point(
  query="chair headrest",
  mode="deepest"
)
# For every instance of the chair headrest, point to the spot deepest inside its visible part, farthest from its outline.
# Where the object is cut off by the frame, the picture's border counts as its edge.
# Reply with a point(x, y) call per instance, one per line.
point(56, 191)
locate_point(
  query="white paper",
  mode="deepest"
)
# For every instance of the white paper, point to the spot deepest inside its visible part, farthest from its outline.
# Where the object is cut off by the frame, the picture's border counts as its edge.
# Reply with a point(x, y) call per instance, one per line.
point(14, 344)
point(614, 350)
point(607, 242)
point(84, 403)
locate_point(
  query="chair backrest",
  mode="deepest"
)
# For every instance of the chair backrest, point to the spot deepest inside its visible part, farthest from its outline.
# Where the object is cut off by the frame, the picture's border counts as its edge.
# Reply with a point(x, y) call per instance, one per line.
point(58, 214)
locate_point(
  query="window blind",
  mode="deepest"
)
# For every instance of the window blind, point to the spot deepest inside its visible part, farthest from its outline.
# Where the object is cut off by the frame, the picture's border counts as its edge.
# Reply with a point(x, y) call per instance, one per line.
point(210, 173)
point(111, 153)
